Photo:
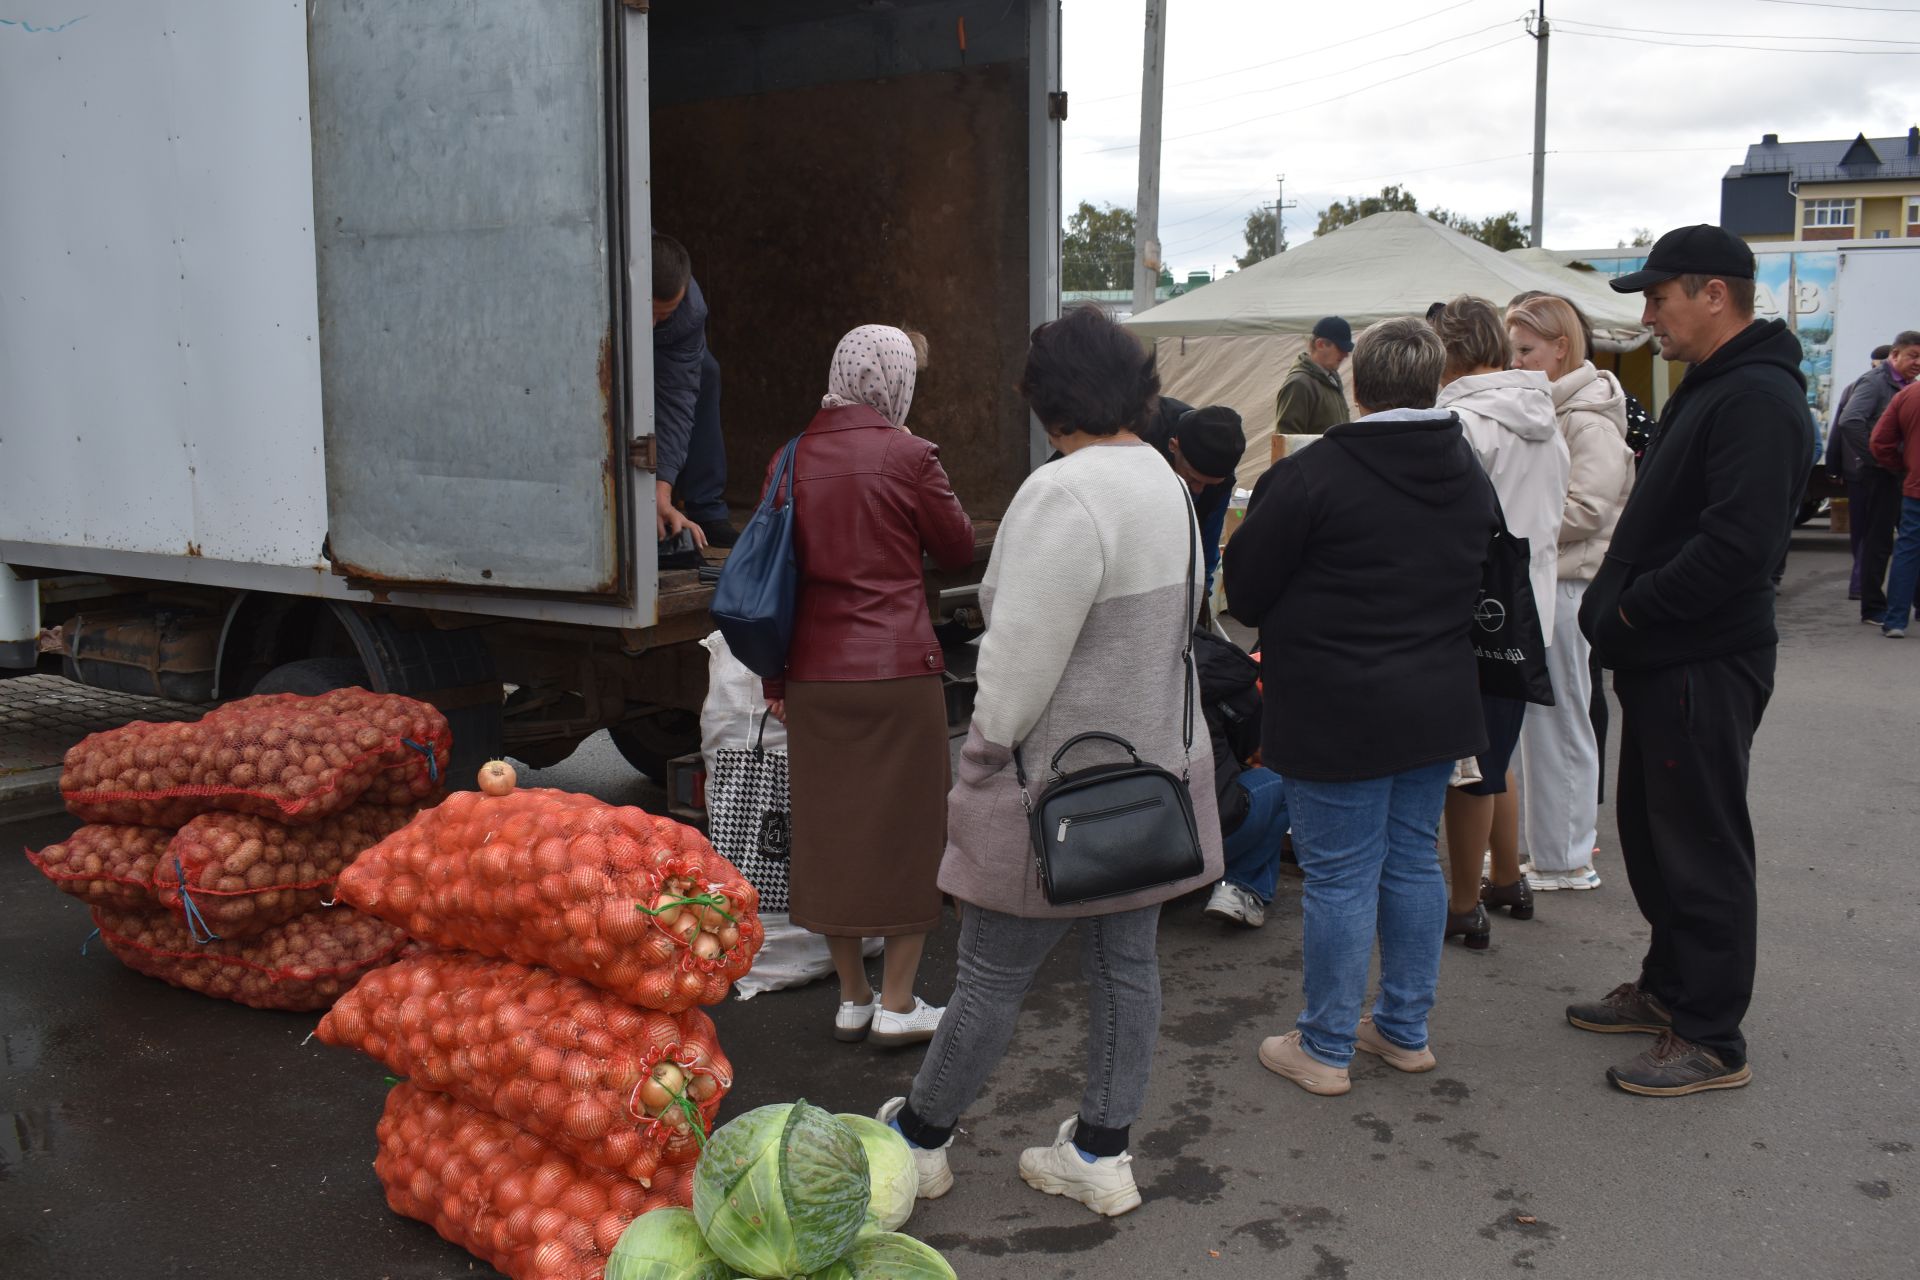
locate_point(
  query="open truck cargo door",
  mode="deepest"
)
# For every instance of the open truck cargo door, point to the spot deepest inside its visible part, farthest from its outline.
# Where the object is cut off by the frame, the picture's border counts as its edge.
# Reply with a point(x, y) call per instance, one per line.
point(470, 241)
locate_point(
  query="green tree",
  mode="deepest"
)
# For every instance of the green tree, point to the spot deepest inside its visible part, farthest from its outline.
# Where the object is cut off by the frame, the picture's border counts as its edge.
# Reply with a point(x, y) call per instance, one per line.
point(1341, 212)
point(1639, 239)
point(1502, 231)
point(1260, 233)
point(1098, 250)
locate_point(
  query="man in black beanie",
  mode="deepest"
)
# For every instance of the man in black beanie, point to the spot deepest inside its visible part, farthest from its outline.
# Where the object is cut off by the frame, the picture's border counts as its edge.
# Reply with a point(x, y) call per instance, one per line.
point(1203, 446)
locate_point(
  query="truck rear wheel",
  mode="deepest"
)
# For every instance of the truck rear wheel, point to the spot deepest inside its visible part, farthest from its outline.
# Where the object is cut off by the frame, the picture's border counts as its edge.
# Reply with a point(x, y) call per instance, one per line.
point(310, 676)
point(648, 744)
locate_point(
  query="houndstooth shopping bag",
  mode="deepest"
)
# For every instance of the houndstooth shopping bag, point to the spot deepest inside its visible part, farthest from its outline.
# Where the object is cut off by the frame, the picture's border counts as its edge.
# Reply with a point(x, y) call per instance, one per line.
point(747, 817)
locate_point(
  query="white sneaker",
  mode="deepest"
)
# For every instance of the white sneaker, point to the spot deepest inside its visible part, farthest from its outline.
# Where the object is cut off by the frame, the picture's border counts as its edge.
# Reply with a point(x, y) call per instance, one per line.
point(930, 1168)
point(1548, 881)
point(853, 1020)
point(1232, 903)
point(1105, 1185)
point(916, 1027)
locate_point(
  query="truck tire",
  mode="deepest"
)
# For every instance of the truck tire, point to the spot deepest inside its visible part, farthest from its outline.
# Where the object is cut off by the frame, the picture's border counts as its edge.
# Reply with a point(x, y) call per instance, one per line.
point(310, 676)
point(648, 744)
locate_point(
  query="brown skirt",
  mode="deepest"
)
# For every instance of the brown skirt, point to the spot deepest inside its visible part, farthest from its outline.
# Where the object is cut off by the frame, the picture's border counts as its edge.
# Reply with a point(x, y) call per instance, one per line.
point(867, 772)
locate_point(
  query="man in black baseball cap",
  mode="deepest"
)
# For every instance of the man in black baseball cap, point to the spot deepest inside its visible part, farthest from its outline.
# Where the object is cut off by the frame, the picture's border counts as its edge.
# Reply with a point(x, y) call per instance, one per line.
point(1682, 611)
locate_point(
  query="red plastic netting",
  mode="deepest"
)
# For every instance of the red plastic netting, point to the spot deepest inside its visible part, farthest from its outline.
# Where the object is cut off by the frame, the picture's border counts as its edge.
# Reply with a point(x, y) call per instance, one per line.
point(294, 759)
point(246, 874)
point(306, 963)
point(106, 865)
point(503, 1194)
point(600, 1080)
point(551, 878)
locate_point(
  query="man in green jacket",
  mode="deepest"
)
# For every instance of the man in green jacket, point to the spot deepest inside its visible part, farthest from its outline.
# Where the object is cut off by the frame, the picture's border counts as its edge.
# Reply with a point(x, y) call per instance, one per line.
point(1311, 399)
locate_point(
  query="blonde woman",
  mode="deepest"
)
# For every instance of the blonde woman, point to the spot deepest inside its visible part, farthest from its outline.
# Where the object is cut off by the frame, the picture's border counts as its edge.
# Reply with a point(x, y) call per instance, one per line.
point(1559, 750)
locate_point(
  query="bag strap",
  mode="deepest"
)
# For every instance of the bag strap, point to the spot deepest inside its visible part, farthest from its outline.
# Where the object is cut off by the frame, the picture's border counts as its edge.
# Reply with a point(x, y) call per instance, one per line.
point(781, 469)
point(1187, 619)
point(760, 738)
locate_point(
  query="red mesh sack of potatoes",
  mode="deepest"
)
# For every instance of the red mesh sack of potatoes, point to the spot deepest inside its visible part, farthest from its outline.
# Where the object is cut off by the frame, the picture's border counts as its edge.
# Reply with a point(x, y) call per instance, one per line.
point(306, 963)
point(294, 759)
point(504, 1195)
point(106, 865)
point(417, 764)
point(635, 904)
point(243, 875)
point(614, 1087)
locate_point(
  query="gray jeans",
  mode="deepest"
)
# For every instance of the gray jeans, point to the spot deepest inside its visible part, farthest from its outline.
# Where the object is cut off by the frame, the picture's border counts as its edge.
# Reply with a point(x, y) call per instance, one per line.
point(999, 956)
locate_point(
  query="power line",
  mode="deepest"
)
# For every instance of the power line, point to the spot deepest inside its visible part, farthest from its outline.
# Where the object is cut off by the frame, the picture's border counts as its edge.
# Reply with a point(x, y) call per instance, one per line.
point(1862, 8)
point(1291, 57)
point(1742, 35)
point(1346, 71)
point(1307, 106)
point(1753, 48)
point(1211, 212)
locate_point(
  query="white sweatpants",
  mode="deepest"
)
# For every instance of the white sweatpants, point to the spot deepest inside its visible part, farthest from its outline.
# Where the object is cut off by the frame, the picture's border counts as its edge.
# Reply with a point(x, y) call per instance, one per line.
point(1559, 769)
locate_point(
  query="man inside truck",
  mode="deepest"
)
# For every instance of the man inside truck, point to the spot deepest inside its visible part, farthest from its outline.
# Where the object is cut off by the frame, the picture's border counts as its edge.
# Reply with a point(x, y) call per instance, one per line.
point(686, 406)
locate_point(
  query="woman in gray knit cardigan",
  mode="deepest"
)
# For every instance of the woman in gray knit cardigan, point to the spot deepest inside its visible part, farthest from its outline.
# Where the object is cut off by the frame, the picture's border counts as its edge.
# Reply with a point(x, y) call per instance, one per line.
point(1086, 605)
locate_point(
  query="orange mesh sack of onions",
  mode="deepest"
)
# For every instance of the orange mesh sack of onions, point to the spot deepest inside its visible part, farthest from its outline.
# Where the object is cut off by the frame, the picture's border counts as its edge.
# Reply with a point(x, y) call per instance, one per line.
point(638, 905)
point(306, 963)
point(505, 1195)
point(234, 875)
point(614, 1087)
point(293, 759)
point(105, 865)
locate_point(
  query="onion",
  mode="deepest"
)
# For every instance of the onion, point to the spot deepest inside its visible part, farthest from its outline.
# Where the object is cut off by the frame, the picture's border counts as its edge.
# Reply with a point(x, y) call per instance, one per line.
point(497, 778)
point(729, 936)
point(707, 947)
point(670, 1076)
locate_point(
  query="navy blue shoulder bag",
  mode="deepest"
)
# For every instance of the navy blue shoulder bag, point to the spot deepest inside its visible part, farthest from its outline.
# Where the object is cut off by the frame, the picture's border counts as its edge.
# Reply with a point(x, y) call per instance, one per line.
point(753, 601)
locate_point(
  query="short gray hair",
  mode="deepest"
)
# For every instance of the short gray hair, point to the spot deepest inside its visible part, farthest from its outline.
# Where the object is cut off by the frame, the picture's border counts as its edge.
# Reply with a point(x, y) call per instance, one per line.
point(1740, 293)
point(1907, 338)
point(1397, 365)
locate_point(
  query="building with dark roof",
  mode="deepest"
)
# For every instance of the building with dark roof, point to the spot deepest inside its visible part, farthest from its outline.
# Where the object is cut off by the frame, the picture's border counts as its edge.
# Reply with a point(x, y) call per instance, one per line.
point(1866, 189)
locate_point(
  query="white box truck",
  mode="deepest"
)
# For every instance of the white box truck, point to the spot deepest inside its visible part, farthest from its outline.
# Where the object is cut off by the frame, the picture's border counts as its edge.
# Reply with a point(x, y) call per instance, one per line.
point(325, 340)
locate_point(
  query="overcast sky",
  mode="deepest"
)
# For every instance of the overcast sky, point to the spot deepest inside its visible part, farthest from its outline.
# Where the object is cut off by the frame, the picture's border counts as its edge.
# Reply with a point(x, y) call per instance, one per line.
point(1437, 95)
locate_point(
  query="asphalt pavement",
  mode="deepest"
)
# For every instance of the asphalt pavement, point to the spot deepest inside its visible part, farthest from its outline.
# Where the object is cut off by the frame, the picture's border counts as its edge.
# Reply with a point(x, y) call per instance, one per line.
point(158, 1133)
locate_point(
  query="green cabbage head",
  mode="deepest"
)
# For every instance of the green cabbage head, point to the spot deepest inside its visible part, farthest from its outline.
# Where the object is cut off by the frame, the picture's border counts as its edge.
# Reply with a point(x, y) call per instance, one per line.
point(665, 1244)
point(884, 1255)
point(781, 1191)
point(890, 1173)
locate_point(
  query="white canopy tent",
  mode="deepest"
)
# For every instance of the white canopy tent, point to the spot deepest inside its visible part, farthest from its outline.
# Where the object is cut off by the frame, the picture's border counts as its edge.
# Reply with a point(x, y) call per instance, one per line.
point(1233, 341)
point(1391, 264)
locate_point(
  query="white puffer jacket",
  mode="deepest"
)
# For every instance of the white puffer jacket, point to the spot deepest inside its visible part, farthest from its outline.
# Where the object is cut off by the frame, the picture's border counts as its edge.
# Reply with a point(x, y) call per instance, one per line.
point(1511, 425)
point(1593, 418)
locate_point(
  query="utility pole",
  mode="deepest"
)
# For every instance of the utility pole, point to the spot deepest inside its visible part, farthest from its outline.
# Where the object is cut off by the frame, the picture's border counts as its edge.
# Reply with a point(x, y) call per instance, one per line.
point(1539, 30)
point(1280, 204)
point(1146, 213)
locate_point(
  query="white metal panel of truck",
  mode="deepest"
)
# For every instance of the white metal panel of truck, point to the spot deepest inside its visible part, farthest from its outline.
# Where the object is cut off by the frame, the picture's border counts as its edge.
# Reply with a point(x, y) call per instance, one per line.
point(256, 300)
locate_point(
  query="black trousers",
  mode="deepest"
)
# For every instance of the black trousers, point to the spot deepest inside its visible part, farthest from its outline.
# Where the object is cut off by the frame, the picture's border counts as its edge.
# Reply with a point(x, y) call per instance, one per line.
point(1874, 501)
point(1686, 733)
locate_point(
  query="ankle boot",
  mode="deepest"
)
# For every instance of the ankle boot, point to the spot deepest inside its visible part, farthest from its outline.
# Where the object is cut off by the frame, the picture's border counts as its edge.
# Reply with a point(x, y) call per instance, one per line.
point(1473, 926)
point(1517, 897)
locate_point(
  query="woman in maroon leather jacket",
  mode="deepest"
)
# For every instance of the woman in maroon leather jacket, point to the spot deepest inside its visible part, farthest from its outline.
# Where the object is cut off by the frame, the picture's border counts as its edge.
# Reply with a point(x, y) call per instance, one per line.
point(862, 698)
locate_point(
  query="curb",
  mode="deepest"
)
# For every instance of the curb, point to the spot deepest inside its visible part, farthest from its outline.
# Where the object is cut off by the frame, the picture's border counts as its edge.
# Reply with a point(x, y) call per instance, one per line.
point(30, 793)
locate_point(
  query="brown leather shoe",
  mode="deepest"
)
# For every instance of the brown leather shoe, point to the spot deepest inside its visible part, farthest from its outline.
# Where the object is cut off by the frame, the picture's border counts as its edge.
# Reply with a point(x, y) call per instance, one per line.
point(1673, 1068)
point(1625, 1008)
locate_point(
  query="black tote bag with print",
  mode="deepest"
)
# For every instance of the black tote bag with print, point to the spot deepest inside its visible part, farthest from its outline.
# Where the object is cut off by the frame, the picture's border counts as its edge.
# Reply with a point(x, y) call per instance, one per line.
point(1507, 638)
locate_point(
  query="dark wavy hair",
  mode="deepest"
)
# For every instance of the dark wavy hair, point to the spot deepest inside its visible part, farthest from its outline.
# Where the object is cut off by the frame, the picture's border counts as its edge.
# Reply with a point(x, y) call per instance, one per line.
point(1086, 373)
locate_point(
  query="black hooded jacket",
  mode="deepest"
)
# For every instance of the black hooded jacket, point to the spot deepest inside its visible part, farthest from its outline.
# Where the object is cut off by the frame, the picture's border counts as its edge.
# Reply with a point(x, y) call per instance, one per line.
point(1692, 559)
point(1360, 560)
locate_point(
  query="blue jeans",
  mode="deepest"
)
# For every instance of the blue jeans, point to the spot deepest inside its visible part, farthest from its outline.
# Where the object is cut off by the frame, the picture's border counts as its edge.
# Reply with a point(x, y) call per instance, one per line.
point(1369, 852)
point(1904, 579)
point(1253, 850)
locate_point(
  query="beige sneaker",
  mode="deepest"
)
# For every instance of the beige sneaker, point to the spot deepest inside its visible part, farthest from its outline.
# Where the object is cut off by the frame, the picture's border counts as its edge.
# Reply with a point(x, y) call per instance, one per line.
point(1283, 1056)
point(1105, 1185)
point(1367, 1039)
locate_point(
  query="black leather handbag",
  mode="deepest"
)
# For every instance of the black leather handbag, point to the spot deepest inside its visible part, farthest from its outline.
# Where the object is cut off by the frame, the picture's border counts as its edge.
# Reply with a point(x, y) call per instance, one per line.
point(1114, 829)
point(1507, 638)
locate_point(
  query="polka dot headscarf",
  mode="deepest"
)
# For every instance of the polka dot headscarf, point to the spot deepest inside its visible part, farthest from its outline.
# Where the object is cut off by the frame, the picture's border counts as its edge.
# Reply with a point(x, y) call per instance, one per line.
point(873, 365)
